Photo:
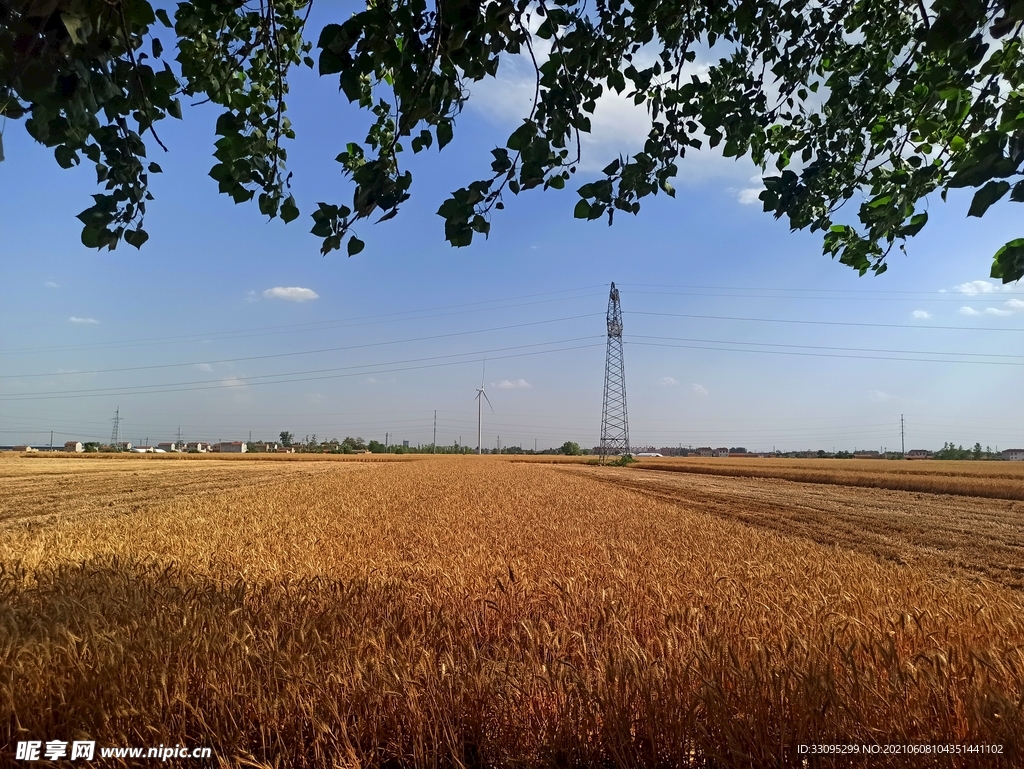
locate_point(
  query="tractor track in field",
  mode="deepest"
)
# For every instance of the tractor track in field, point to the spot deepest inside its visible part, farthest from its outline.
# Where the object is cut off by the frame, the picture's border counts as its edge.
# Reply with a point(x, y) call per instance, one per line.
point(978, 536)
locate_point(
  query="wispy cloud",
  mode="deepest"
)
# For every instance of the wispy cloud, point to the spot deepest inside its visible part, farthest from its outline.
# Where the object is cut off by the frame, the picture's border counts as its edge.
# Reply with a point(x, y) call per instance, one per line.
point(75, 319)
point(668, 381)
point(291, 293)
point(233, 382)
point(1017, 304)
point(969, 311)
point(997, 311)
point(204, 367)
point(699, 389)
point(512, 384)
point(921, 314)
point(51, 284)
point(877, 396)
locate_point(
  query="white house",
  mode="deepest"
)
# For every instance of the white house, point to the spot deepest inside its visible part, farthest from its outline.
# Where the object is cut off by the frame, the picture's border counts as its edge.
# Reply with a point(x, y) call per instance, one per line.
point(1014, 455)
point(74, 447)
point(232, 447)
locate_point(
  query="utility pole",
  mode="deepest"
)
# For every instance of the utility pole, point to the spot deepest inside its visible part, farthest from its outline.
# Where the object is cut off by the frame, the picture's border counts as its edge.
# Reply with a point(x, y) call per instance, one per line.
point(614, 425)
point(386, 444)
point(51, 441)
point(903, 443)
point(180, 444)
point(435, 433)
point(534, 445)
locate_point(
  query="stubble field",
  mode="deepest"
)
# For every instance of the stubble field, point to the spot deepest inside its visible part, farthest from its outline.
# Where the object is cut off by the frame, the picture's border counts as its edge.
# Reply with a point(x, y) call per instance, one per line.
point(465, 611)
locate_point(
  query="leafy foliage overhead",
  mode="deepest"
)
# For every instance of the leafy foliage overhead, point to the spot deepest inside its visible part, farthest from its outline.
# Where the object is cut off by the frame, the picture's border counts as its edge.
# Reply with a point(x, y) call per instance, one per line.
point(876, 104)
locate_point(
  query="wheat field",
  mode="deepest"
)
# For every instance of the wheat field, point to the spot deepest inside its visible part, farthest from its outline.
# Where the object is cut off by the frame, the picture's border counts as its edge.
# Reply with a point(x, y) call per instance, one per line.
point(477, 612)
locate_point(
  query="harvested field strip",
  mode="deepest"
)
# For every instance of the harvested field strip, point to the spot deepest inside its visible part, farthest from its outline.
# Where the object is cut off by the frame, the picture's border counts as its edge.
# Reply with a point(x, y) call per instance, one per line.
point(993, 480)
point(979, 536)
point(477, 613)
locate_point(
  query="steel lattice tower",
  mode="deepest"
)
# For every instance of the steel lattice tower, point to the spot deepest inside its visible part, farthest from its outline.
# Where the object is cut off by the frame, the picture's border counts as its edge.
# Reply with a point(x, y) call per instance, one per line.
point(115, 435)
point(614, 424)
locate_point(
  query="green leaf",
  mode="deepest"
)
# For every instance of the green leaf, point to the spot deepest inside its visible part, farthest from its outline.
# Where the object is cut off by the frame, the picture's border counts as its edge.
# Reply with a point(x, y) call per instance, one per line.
point(986, 196)
point(155, 169)
point(289, 211)
point(444, 134)
point(164, 18)
point(66, 156)
point(582, 210)
point(136, 237)
point(174, 108)
point(73, 24)
point(355, 245)
point(522, 136)
point(1008, 263)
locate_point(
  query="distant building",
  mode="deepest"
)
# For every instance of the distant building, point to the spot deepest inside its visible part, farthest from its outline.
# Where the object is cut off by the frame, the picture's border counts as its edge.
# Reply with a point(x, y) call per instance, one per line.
point(918, 454)
point(74, 447)
point(721, 452)
point(704, 451)
point(648, 454)
point(231, 447)
point(866, 455)
point(169, 446)
point(1014, 455)
point(285, 450)
point(199, 446)
point(24, 448)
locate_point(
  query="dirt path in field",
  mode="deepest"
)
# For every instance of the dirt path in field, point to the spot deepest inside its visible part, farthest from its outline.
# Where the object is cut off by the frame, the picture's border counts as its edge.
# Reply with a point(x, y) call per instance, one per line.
point(980, 536)
point(40, 491)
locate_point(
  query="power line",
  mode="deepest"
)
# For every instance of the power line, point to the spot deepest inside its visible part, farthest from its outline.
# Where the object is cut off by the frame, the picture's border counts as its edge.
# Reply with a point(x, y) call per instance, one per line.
point(829, 355)
point(840, 349)
point(302, 352)
point(824, 322)
point(300, 327)
point(298, 376)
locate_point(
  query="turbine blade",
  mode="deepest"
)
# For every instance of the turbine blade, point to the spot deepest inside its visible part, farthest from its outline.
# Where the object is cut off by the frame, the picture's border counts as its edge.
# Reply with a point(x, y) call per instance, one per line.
point(488, 400)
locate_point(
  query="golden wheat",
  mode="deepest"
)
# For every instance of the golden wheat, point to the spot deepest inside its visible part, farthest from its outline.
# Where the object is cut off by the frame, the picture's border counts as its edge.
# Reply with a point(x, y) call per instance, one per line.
point(466, 611)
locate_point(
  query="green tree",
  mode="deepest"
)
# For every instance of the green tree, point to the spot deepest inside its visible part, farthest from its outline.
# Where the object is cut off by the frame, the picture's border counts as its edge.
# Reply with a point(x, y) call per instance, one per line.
point(571, 448)
point(878, 104)
point(286, 438)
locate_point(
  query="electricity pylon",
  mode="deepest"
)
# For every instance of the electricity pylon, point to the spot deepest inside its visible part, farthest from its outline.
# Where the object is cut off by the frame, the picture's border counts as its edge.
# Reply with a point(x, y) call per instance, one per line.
point(614, 424)
point(115, 435)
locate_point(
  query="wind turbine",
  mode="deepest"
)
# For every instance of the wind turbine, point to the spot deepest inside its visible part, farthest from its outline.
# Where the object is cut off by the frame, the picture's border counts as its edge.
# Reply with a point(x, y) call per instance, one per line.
point(480, 410)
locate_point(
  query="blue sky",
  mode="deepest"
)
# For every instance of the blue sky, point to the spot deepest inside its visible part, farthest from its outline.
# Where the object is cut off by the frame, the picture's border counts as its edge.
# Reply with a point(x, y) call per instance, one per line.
point(738, 332)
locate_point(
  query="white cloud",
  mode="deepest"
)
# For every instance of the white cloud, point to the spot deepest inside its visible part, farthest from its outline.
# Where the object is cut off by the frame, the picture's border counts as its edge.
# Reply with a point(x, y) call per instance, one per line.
point(618, 126)
point(669, 381)
point(51, 284)
point(997, 311)
point(976, 287)
point(969, 311)
point(699, 389)
point(1017, 304)
point(74, 319)
point(748, 196)
point(877, 396)
point(233, 382)
point(921, 314)
point(204, 367)
point(291, 293)
point(513, 384)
